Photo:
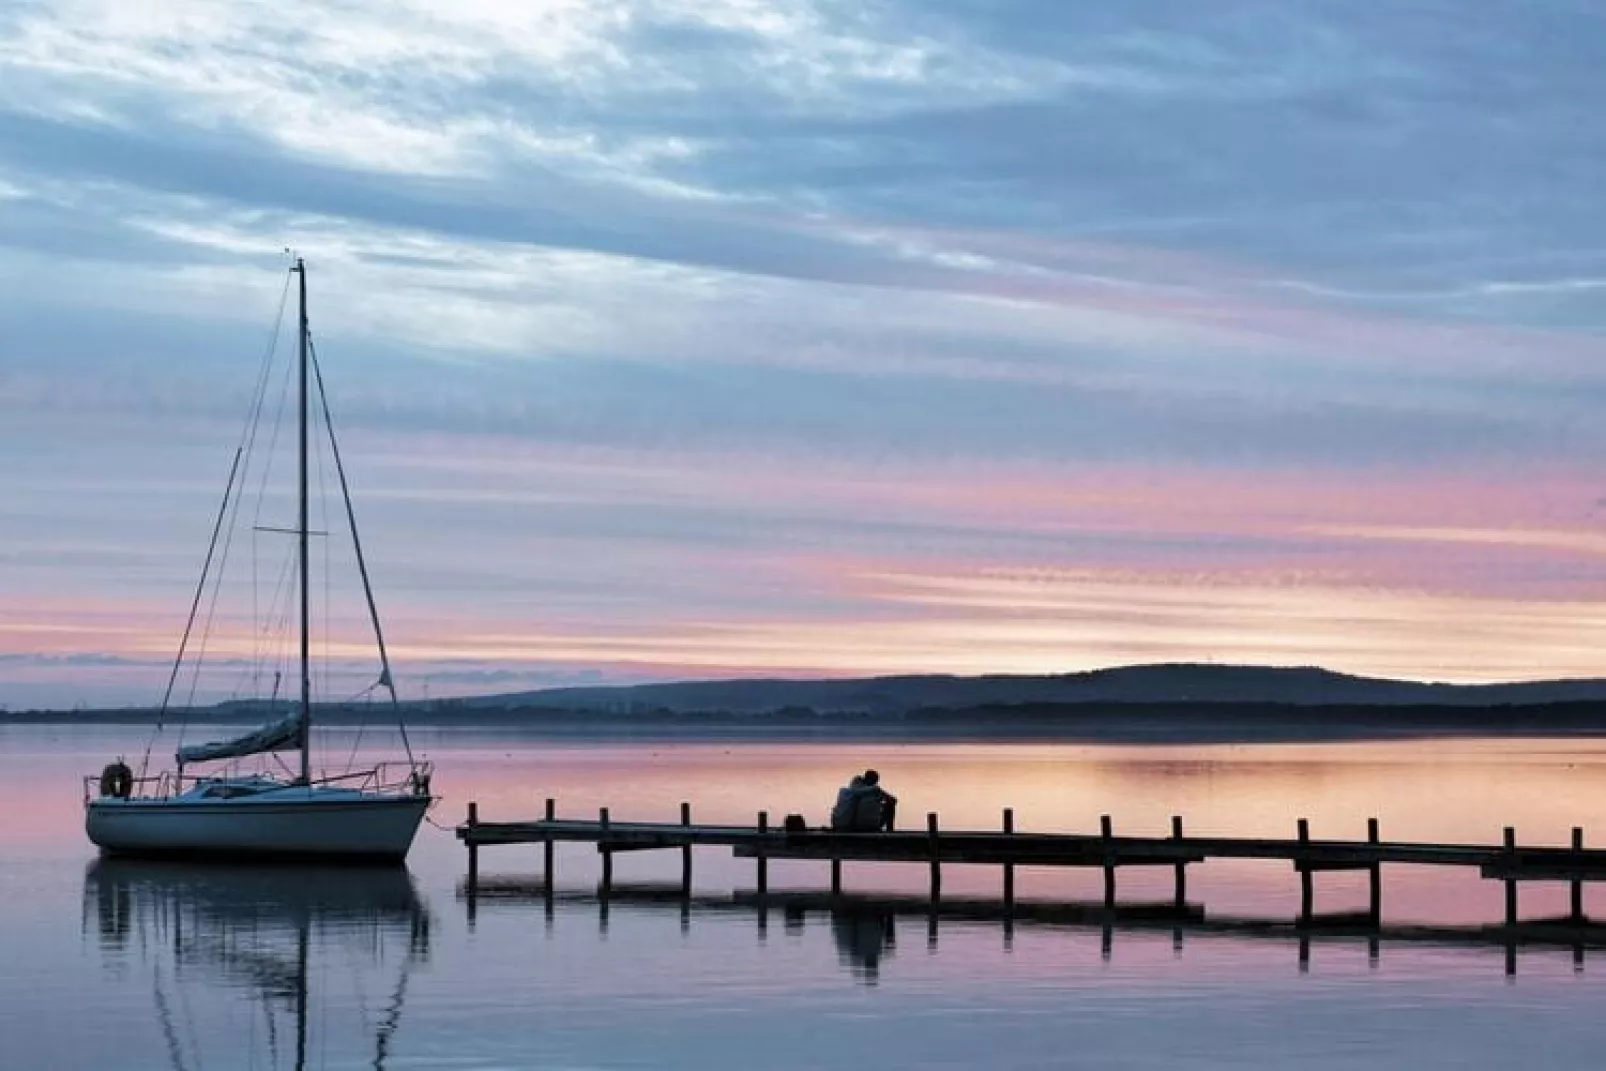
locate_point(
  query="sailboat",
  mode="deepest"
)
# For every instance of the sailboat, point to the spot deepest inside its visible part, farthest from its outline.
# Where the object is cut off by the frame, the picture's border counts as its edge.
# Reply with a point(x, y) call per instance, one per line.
point(363, 815)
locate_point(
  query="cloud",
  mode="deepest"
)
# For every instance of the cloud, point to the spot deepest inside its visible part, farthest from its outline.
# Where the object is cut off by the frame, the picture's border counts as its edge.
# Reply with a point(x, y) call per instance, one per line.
point(785, 293)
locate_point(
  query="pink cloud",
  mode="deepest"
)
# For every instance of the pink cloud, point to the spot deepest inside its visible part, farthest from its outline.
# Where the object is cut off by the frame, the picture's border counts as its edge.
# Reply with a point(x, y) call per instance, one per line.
point(969, 568)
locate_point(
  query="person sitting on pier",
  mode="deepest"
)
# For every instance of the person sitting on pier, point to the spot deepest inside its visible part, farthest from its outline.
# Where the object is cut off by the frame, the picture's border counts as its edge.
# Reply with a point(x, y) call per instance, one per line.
point(847, 799)
point(863, 806)
point(876, 809)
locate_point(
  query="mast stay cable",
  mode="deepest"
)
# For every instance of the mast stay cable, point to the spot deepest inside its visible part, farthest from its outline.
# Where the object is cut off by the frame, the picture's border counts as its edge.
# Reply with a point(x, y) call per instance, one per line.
point(385, 678)
point(241, 453)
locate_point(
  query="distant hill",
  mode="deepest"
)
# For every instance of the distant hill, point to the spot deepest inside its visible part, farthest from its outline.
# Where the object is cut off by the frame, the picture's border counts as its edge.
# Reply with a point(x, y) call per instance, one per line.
point(1167, 701)
point(1171, 683)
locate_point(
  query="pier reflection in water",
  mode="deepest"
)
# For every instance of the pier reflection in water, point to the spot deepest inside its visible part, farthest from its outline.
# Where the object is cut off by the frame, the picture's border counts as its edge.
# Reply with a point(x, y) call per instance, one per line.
point(865, 928)
point(257, 936)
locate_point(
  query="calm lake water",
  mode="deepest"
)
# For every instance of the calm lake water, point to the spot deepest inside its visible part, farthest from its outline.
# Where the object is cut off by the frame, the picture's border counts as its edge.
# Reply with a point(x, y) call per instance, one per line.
point(131, 965)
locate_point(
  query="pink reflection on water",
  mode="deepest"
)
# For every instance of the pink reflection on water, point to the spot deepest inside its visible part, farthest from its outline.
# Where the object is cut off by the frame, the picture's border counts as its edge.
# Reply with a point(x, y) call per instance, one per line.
point(514, 976)
point(1461, 791)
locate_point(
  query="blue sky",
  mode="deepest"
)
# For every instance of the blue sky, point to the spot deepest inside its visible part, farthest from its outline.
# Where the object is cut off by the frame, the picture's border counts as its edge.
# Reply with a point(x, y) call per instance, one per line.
point(677, 339)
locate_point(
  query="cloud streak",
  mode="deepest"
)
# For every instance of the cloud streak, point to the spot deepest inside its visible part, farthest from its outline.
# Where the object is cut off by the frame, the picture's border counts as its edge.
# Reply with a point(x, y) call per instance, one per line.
point(676, 337)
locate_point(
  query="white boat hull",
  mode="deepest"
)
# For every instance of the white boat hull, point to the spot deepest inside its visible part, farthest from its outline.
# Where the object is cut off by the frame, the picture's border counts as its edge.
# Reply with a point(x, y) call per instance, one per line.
point(287, 824)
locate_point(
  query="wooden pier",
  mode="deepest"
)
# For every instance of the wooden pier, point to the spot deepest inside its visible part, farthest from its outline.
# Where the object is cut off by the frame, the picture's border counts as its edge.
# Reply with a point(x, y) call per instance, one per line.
point(1007, 848)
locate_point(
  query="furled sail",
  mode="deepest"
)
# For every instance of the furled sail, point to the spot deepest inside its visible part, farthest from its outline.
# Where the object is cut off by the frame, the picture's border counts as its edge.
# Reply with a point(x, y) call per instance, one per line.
point(281, 735)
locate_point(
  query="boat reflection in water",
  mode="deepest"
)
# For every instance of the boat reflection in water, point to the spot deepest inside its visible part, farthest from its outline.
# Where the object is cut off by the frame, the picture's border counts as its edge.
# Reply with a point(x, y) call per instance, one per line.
point(215, 940)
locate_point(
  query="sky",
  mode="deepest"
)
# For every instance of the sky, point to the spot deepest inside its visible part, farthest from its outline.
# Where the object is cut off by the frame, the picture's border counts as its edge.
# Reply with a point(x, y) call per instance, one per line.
point(804, 337)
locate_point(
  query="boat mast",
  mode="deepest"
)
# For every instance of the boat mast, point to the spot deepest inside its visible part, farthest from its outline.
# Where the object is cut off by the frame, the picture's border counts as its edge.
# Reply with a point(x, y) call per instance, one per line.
point(301, 532)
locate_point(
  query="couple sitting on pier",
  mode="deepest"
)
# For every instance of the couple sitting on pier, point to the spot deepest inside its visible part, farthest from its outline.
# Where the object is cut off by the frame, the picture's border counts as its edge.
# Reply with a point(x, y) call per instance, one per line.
point(863, 806)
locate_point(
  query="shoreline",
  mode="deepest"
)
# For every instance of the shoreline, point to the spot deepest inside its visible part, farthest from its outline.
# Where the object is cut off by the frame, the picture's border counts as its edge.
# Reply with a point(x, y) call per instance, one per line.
point(1136, 723)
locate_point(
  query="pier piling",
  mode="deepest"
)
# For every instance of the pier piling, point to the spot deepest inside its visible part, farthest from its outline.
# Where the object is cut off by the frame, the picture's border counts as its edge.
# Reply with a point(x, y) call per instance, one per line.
point(1307, 891)
point(685, 852)
point(1510, 846)
point(1374, 876)
point(1106, 834)
point(1009, 868)
point(607, 853)
point(1179, 875)
point(473, 848)
point(763, 856)
point(1577, 889)
point(546, 845)
point(473, 865)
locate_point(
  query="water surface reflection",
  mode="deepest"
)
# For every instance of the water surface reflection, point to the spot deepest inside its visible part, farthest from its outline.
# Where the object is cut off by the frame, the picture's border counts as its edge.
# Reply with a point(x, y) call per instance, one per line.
point(257, 937)
point(139, 966)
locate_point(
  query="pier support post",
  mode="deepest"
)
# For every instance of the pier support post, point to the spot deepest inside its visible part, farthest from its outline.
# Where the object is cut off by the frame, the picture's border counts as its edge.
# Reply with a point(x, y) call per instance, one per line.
point(473, 864)
point(763, 877)
point(546, 849)
point(1106, 832)
point(1009, 868)
point(685, 852)
point(1179, 874)
point(473, 846)
point(549, 869)
point(1375, 875)
point(607, 854)
point(1577, 885)
point(1511, 884)
point(763, 855)
point(1307, 893)
point(935, 849)
point(836, 877)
